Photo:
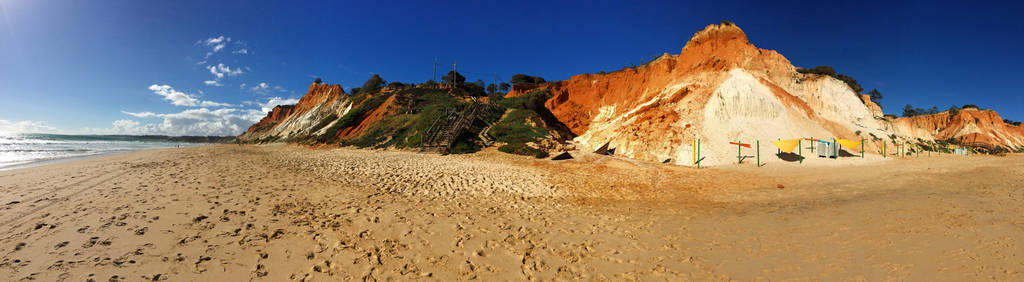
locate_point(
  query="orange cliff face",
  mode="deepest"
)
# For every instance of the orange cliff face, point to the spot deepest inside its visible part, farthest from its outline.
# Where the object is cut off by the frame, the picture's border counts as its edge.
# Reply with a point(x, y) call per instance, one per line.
point(718, 85)
point(719, 89)
point(299, 121)
point(274, 117)
point(704, 59)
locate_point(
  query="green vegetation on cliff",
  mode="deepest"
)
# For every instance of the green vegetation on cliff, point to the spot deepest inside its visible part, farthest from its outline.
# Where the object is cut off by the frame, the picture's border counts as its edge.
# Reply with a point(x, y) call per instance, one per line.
point(405, 121)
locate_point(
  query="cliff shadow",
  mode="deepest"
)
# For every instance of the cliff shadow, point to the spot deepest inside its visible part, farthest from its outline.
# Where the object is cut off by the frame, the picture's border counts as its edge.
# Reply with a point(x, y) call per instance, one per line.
point(552, 122)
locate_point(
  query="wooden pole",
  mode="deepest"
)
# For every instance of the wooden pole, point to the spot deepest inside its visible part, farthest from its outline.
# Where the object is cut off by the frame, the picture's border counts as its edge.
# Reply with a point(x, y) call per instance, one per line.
point(698, 153)
point(862, 148)
point(758, 153)
point(800, 150)
point(739, 158)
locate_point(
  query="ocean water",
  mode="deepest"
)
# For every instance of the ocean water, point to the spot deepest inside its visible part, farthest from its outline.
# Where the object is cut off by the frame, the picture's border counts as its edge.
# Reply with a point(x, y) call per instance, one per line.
point(23, 149)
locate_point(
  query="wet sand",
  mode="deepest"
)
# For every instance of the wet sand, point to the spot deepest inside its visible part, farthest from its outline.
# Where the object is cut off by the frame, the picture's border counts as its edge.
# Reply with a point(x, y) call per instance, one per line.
point(279, 212)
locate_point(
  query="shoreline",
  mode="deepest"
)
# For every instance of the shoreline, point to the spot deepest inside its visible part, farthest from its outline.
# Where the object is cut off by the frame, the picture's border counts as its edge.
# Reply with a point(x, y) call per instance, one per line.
point(49, 161)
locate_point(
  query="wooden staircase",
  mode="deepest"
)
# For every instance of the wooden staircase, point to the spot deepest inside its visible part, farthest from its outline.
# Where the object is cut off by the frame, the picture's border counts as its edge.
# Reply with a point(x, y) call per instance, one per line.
point(444, 131)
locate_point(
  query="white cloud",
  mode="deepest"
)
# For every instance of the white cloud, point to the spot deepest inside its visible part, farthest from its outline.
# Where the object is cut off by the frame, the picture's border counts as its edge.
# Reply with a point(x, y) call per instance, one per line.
point(176, 97)
point(179, 98)
point(124, 125)
point(25, 126)
point(220, 70)
point(265, 88)
point(214, 104)
point(241, 86)
point(213, 83)
point(276, 101)
point(202, 121)
point(215, 44)
point(260, 86)
point(242, 51)
point(216, 40)
point(141, 114)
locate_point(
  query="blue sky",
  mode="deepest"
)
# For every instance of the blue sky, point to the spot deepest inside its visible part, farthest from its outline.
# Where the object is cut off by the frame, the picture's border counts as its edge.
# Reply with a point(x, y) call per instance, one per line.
point(143, 66)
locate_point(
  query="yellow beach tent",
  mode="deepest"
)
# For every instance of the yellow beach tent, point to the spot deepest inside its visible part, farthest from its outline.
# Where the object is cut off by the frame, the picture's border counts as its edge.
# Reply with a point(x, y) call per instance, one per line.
point(848, 143)
point(786, 145)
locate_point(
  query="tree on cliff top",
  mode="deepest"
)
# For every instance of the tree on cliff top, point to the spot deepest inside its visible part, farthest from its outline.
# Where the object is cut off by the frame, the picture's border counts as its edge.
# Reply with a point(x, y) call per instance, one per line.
point(318, 81)
point(373, 84)
point(453, 78)
point(526, 79)
point(909, 111)
point(491, 88)
point(875, 95)
point(504, 86)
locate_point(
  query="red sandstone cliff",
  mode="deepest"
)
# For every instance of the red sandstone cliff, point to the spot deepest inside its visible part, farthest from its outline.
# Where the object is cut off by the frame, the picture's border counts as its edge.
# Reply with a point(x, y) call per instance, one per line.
point(275, 116)
point(296, 122)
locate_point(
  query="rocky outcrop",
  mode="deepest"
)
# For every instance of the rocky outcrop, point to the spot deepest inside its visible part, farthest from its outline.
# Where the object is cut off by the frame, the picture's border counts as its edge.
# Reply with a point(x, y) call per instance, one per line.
point(300, 121)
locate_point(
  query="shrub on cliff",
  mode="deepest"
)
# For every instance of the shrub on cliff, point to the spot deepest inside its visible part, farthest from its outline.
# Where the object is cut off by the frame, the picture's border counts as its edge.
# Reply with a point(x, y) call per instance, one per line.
point(373, 84)
point(909, 111)
point(822, 70)
point(515, 130)
point(526, 79)
point(475, 89)
point(515, 127)
point(531, 100)
point(953, 110)
point(453, 77)
point(829, 71)
point(875, 95)
point(405, 130)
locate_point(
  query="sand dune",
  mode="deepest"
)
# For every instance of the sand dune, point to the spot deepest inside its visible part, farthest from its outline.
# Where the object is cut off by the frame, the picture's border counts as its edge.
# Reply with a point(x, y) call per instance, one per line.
point(278, 213)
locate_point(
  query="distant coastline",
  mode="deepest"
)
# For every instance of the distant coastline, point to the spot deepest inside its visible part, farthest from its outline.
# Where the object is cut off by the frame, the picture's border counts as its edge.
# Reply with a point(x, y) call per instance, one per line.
point(31, 149)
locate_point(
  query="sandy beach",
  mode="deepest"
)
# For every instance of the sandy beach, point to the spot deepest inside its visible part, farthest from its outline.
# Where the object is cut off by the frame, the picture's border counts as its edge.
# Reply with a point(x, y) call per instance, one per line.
point(280, 212)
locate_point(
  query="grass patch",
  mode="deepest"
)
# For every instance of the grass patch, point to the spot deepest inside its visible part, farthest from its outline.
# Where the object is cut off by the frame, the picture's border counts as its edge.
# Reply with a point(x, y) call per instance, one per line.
point(514, 128)
point(396, 127)
point(515, 131)
point(530, 100)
